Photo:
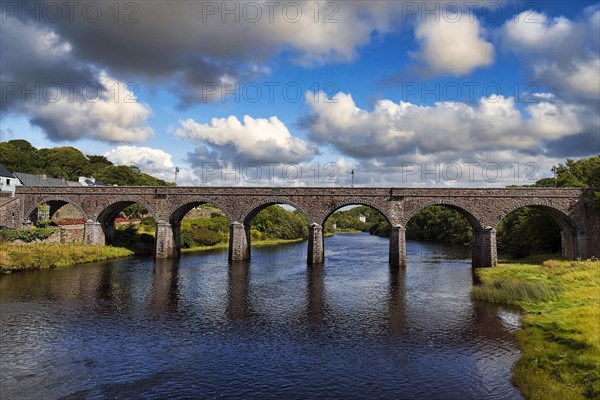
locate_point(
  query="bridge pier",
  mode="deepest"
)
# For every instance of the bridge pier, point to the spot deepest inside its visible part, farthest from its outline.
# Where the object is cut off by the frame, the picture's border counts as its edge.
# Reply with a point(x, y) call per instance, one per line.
point(108, 232)
point(239, 242)
point(93, 234)
point(397, 246)
point(164, 244)
point(570, 244)
point(484, 248)
point(316, 248)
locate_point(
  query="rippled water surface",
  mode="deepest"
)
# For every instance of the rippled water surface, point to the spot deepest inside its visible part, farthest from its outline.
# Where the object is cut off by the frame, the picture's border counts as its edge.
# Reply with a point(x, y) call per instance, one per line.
point(272, 328)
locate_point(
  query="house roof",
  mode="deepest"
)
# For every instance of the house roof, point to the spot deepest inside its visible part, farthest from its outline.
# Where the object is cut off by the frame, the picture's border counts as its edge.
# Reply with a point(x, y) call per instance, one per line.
point(41, 180)
point(5, 172)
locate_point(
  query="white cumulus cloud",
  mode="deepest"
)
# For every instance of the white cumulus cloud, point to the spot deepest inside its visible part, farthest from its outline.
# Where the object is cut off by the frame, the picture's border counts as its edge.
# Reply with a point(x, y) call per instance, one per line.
point(453, 46)
point(395, 129)
point(260, 139)
point(112, 115)
point(155, 162)
point(562, 53)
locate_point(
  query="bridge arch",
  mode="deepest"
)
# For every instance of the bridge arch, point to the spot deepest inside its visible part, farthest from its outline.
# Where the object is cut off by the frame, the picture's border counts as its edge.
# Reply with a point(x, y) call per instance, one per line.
point(560, 216)
point(483, 241)
point(56, 203)
point(168, 234)
point(240, 237)
point(316, 240)
point(569, 229)
point(105, 216)
point(176, 213)
point(113, 207)
point(354, 202)
point(248, 215)
point(471, 215)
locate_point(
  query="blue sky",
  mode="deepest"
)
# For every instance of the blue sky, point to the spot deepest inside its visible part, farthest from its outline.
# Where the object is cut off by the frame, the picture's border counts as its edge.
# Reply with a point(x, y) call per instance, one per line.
point(390, 89)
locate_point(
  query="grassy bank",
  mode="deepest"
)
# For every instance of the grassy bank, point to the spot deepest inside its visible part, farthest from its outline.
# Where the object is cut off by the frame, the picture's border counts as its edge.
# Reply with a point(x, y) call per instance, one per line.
point(560, 338)
point(347, 231)
point(14, 257)
point(255, 243)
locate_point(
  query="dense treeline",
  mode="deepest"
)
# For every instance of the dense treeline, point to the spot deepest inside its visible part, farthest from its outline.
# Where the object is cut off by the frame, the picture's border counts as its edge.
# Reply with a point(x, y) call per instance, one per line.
point(439, 224)
point(528, 231)
point(70, 163)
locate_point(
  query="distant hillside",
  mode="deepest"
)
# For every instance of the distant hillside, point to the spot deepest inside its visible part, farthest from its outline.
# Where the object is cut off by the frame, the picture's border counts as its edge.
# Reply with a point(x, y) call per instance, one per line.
point(70, 163)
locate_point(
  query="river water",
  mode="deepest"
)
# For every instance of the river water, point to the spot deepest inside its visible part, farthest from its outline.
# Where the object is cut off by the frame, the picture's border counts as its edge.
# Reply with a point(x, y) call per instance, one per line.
point(271, 328)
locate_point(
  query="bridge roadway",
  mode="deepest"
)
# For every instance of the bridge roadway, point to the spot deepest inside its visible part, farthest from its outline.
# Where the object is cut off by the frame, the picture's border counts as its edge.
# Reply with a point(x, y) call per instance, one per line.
point(572, 209)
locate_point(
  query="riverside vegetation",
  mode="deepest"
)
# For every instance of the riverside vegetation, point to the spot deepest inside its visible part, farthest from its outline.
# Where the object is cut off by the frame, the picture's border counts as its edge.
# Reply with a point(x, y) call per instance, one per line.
point(20, 257)
point(560, 335)
point(21, 250)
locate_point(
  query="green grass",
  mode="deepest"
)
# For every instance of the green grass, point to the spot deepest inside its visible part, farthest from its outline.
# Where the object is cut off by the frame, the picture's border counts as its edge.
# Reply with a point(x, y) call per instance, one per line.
point(14, 257)
point(222, 245)
point(255, 243)
point(560, 339)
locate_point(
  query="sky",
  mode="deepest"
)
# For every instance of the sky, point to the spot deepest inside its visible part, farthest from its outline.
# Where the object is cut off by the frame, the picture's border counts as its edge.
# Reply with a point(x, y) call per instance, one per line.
point(308, 93)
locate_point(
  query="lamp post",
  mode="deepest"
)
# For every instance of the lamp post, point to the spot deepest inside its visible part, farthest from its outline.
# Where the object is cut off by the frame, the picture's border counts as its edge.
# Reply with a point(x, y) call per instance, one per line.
point(176, 172)
point(352, 173)
point(554, 171)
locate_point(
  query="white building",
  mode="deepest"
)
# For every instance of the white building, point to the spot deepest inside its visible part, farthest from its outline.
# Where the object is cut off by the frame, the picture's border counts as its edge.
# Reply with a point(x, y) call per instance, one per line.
point(362, 218)
point(8, 181)
point(85, 181)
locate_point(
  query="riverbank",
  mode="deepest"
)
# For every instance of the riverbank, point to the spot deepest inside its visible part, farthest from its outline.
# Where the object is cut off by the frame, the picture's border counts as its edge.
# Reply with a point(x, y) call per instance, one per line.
point(33, 256)
point(560, 335)
point(255, 243)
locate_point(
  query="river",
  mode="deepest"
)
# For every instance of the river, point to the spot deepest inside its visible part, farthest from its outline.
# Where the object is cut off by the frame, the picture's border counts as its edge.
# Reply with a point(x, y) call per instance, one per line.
point(271, 328)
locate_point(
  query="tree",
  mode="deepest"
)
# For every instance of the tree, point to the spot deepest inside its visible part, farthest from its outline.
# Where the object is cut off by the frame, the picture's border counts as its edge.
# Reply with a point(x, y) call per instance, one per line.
point(439, 224)
point(64, 162)
point(70, 163)
point(528, 231)
point(19, 156)
point(98, 160)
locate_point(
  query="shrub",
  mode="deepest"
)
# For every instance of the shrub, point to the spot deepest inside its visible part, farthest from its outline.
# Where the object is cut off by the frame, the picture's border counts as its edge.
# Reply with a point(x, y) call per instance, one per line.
point(206, 237)
point(255, 235)
point(148, 221)
point(26, 235)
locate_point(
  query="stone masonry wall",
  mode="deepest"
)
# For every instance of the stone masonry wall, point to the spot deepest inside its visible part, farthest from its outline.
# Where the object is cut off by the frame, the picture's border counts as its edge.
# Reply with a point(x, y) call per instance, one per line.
point(484, 208)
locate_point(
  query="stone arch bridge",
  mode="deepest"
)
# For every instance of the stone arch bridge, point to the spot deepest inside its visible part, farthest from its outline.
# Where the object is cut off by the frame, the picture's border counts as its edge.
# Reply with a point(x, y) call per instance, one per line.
point(572, 209)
